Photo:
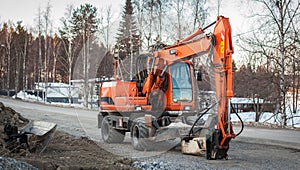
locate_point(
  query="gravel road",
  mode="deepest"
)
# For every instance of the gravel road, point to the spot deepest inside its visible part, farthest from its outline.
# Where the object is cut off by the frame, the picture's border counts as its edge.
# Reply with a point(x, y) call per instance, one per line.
point(242, 154)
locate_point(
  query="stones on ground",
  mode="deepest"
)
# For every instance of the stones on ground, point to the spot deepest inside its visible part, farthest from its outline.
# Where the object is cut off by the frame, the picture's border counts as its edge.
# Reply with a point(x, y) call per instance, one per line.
point(10, 163)
point(152, 165)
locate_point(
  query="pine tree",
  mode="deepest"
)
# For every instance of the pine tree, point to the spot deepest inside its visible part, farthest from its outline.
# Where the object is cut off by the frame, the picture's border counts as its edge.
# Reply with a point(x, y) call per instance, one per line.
point(128, 40)
point(85, 24)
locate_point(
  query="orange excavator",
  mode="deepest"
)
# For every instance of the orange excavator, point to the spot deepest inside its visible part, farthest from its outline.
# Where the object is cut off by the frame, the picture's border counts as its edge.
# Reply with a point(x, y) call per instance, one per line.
point(158, 104)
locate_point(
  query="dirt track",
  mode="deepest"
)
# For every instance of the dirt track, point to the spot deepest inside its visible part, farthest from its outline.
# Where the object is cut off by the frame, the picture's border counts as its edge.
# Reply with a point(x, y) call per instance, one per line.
point(67, 152)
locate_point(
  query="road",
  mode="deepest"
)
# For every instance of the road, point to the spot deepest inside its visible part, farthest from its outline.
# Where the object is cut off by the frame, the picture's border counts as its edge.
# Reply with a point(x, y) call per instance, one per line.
point(278, 137)
point(256, 148)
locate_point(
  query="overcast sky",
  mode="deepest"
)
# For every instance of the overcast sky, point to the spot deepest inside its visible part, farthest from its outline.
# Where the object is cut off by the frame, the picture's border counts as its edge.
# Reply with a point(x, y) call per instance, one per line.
point(26, 11)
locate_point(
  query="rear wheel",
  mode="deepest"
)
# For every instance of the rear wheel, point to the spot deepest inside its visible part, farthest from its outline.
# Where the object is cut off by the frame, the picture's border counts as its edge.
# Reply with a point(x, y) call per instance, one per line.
point(109, 134)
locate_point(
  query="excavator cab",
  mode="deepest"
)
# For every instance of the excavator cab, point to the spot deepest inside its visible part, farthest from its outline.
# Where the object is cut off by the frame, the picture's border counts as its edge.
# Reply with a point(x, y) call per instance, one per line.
point(182, 88)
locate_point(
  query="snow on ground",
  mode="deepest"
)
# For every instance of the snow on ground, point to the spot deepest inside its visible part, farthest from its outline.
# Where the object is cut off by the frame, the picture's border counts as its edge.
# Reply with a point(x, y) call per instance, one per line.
point(27, 97)
point(268, 117)
point(79, 105)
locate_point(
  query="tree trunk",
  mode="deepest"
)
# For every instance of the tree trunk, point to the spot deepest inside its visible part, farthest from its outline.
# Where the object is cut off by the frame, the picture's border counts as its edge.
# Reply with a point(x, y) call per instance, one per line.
point(70, 60)
point(25, 77)
point(85, 93)
point(8, 48)
point(178, 20)
point(54, 66)
point(17, 73)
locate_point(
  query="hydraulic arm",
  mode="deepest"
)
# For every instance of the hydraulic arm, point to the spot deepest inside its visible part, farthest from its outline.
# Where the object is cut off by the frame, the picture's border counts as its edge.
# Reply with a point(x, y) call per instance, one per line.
point(219, 44)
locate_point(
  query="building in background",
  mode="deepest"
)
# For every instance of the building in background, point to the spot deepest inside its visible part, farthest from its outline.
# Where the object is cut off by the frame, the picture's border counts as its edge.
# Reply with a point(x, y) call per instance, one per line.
point(57, 92)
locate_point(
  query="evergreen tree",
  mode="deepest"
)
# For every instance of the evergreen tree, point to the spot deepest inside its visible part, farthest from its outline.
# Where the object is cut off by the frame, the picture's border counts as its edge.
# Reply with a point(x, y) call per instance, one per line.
point(128, 40)
point(84, 20)
point(85, 24)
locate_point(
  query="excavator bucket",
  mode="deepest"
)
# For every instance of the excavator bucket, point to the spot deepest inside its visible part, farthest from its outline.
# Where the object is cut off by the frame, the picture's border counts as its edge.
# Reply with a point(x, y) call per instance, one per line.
point(39, 134)
point(33, 137)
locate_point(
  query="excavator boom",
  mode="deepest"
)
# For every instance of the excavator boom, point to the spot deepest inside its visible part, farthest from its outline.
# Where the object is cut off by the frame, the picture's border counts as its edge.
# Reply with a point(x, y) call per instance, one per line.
point(219, 44)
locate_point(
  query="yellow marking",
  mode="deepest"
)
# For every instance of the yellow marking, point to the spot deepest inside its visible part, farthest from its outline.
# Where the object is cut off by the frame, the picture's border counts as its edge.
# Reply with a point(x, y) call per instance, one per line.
point(222, 47)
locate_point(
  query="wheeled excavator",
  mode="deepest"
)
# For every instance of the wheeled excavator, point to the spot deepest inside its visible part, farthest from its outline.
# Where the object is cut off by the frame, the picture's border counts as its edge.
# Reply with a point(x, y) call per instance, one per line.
point(157, 104)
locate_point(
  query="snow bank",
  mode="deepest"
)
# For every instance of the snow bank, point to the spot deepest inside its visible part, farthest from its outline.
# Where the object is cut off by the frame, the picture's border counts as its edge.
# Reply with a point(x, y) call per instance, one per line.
point(27, 97)
point(268, 117)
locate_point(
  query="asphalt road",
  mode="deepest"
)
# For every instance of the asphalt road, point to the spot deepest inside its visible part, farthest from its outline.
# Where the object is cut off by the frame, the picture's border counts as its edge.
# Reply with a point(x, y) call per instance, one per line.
point(255, 148)
point(250, 134)
point(288, 138)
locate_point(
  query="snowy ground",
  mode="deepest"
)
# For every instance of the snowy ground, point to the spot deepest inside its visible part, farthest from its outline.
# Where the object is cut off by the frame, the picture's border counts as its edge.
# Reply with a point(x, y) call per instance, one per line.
point(268, 117)
point(27, 97)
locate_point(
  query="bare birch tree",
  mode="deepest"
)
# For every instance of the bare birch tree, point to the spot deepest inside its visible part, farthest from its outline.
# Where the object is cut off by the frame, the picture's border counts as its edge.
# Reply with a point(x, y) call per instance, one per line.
point(67, 39)
point(47, 31)
point(273, 38)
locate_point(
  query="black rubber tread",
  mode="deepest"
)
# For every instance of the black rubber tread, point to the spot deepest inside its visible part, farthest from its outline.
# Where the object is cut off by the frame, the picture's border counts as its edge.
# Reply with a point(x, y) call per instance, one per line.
point(139, 135)
point(109, 134)
point(142, 142)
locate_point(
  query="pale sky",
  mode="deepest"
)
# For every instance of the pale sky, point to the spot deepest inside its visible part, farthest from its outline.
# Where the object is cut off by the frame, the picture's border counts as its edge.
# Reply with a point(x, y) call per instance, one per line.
point(26, 10)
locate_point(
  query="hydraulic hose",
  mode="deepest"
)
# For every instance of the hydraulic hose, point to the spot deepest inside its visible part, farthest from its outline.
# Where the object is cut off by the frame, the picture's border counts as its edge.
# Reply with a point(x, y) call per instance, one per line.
point(239, 118)
point(205, 112)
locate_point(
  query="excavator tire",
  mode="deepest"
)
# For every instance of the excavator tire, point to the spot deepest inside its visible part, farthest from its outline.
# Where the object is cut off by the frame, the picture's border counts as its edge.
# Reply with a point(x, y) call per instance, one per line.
point(140, 135)
point(109, 134)
point(140, 138)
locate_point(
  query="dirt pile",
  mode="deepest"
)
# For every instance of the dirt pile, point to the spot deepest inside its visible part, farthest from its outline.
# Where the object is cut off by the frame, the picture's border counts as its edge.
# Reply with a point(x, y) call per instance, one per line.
point(67, 152)
point(8, 115)
point(63, 152)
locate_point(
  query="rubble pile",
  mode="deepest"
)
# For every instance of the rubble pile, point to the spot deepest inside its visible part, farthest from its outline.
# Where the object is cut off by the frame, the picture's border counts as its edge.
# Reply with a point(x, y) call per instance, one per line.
point(10, 116)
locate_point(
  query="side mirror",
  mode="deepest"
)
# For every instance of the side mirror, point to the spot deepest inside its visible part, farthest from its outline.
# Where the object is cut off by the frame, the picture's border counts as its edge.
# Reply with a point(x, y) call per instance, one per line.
point(199, 75)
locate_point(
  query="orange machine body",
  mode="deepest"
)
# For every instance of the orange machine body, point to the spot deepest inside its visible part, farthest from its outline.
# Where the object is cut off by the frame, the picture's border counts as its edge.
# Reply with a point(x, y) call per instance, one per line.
point(129, 96)
point(123, 96)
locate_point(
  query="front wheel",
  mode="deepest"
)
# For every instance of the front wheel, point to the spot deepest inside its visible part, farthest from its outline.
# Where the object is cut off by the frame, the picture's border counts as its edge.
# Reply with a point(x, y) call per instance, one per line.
point(141, 139)
point(109, 134)
point(140, 135)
